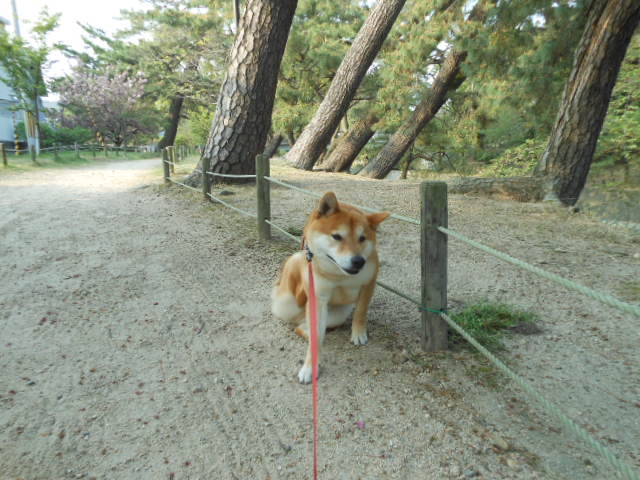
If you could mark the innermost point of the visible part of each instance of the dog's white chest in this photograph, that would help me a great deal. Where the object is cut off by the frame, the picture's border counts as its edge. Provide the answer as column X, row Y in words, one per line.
column 344, row 295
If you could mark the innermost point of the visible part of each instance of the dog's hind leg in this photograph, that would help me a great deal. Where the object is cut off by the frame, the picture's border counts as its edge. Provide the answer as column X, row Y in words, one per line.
column 336, row 317
column 285, row 307
column 302, row 331
column 338, row 314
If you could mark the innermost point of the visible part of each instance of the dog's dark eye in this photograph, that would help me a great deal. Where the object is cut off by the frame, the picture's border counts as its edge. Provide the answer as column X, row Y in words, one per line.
column 362, row 238
column 337, row 236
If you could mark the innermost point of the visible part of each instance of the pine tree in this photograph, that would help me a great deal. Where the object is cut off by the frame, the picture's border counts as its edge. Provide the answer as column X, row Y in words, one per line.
column 321, row 34
column 349, row 144
column 346, row 81
column 567, row 159
column 243, row 114
column 448, row 79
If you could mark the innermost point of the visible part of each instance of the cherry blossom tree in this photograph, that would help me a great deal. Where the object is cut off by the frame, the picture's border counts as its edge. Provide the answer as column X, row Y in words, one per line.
column 112, row 105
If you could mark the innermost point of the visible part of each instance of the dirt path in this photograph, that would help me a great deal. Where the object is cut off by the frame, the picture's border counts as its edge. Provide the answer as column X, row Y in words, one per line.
column 136, row 342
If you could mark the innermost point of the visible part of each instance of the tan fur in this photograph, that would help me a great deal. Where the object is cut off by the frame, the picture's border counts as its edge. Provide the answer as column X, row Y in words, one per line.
column 337, row 287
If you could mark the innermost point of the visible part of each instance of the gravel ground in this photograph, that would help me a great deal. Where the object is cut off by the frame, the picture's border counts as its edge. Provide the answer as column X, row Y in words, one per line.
column 137, row 343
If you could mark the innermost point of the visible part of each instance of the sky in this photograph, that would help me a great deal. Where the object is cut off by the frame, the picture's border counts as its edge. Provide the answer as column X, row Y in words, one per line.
column 97, row 13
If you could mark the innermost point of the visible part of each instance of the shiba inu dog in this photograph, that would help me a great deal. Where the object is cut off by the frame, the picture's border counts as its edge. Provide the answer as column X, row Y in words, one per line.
column 342, row 242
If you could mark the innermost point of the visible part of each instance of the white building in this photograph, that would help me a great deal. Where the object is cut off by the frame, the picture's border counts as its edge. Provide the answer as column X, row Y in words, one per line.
column 7, row 100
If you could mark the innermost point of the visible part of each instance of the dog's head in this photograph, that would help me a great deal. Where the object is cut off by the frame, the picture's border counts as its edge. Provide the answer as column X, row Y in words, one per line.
column 343, row 234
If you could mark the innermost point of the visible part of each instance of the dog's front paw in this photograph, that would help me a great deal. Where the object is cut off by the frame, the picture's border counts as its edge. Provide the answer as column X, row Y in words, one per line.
column 359, row 338
column 305, row 374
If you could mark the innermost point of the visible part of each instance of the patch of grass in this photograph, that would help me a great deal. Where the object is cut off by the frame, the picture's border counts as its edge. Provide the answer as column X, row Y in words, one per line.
column 487, row 323
column 22, row 163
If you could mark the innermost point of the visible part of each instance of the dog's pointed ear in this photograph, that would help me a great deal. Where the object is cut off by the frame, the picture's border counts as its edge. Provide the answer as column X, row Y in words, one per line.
column 376, row 219
column 328, row 204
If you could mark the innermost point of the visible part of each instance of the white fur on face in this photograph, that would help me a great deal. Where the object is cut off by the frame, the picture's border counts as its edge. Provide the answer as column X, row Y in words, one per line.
column 326, row 245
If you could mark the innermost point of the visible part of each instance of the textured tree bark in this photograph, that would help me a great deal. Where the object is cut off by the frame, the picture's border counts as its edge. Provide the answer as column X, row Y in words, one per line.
column 291, row 138
column 408, row 162
column 349, row 145
column 317, row 134
column 243, row 115
column 236, row 12
column 567, row 159
column 446, row 80
column 171, row 128
column 272, row 146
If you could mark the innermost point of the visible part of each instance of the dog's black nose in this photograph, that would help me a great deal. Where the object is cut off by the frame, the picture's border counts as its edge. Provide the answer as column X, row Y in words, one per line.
column 357, row 262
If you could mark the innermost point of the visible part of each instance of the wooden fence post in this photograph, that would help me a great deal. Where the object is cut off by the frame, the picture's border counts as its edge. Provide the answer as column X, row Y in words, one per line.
column 56, row 155
column 75, row 146
column 3, row 152
column 433, row 256
column 93, row 151
column 206, row 178
column 263, row 194
column 165, row 166
column 104, row 147
column 172, row 158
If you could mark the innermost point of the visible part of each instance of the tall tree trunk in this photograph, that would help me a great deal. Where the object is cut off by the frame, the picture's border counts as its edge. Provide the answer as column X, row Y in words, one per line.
column 236, row 12
column 408, row 162
column 171, row 128
column 354, row 66
column 243, row 116
column 272, row 146
column 567, row 159
column 291, row 139
column 447, row 79
column 349, row 145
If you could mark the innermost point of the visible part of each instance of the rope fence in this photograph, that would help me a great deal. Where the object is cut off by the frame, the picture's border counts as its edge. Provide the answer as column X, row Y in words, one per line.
column 228, row 205
column 601, row 297
column 402, row 218
column 433, row 302
column 184, row 185
column 228, row 175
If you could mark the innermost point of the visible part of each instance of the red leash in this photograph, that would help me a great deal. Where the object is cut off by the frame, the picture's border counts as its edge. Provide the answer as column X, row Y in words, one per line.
column 313, row 307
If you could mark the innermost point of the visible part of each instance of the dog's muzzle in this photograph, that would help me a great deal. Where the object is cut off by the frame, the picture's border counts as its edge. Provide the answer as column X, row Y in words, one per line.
column 357, row 262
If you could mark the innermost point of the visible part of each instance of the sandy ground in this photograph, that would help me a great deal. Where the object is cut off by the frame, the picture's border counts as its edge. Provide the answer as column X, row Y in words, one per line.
column 136, row 340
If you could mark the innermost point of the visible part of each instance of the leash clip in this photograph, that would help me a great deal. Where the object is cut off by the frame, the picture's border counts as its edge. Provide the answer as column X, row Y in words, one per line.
column 309, row 253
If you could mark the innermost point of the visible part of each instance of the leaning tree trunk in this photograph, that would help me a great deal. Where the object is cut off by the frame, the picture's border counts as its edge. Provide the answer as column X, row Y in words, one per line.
column 317, row 134
column 349, row 145
column 567, row 159
column 171, row 128
column 446, row 80
column 272, row 146
column 243, row 115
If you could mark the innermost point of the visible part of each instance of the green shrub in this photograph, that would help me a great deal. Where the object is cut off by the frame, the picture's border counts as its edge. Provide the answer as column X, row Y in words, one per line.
column 619, row 141
column 59, row 135
column 517, row 161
